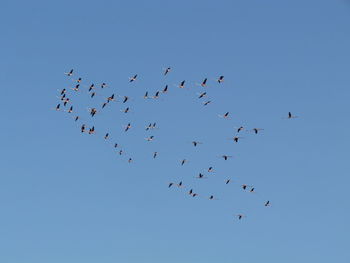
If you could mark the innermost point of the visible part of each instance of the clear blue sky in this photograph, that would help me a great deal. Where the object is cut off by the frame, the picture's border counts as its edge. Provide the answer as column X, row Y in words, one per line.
column 67, row 197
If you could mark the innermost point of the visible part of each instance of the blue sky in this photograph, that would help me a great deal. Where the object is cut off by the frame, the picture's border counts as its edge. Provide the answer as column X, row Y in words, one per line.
column 68, row 197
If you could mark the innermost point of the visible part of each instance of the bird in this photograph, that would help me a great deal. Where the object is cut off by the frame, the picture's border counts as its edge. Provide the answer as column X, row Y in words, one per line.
column 76, row 88
column 70, row 109
column 256, row 130
column 125, row 99
column 155, row 155
column 66, row 100
column 82, row 128
column 190, row 192
column 221, row 79
column 76, row 118
column 206, row 103
column 92, row 86
column 244, row 186
column 106, row 136
column 126, row 110
column 167, row 70
column 210, row 169
column 133, row 78
column 240, row 216
column 110, row 98
column 146, row 95
column 79, row 80
column 182, row 84
column 103, row 85
column 195, row 143
column 120, row 152
column 116, row 145
column 202, row 95
column 156, row 96
column 149, row 127
column 240, row 129
column 130, row 160
column 63, row 91
column 183, row 161
column 127, row 127
column 267, row 203
column 225, row 116
column 228, row 181
column 150, row 138
column 93, row 94
column 236, row 138
column 165, row 90
column 204, row 82
column 290, row 116
column 93, row 111
column 211, row 197
column 104, row 105
column 92, row 130
column 200, row 176
column 70, row 73
column 226, row 157
column 194, row 195
column 170, row 185
column 179, row 184
column 58, row 107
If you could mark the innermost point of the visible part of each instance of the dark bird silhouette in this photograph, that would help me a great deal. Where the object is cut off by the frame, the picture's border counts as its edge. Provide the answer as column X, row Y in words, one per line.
column 155, row 155
column 228, row 181
column 82, row 128
column 70, row 73
column 204, row 82
column 221, row 79
column 70, row 109
column 156, row 96
column 125, row 99
column 93, row 111
column 133, row 78
column 165, row 90
column 106, row 136
column 202, row 95
column 167, row 70
column 267, row 203
column 92, row 86
column 103, row 85
column 290, row 116
column 183, row 161
column 226, row 157
column 182, row 84
column 76, row 118
column 58, row 107
column 240, row 129
column 195, row 143
column 170, row 185
column 92, row 130
column 146, row 95
column 206, row 103
column 256, row 130
column 127, row 127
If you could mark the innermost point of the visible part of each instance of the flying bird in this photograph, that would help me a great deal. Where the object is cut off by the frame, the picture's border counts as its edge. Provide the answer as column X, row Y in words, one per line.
column 204, row 82
column 165, row 90
column 167, row 70
column 221, row 79
column 70, row 73
column 106, row 136
column 125, row 99
column 206, row 103
column 133, row 78
column 290, row 116
column 195, row 143
column 202, row 95
column 228, row 181
column 182, row 84
column 256, row 130
column 155, row 155
column 92, row 130
column 82, row 128
column 267, row 203
column 183, row 161
column 226, row 157
column 127, row 127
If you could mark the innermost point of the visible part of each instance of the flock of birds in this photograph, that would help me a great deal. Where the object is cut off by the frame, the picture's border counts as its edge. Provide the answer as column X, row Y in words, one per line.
column 65, row 105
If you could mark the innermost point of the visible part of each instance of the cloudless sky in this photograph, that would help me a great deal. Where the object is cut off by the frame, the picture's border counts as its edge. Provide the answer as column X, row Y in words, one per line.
column 69, row 197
